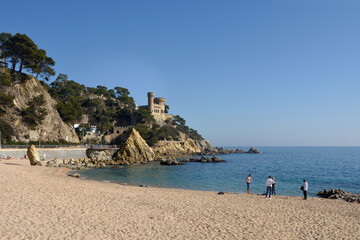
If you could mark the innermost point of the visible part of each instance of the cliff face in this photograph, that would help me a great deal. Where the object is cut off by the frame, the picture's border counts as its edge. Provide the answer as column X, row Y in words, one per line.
column 52, row 127
column 187, row 147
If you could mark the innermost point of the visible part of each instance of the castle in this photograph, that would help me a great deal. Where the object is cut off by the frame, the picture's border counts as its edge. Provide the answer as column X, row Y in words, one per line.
column 157, row 108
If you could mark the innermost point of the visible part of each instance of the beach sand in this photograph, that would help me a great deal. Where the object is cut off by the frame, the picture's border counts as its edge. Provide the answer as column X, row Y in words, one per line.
column 44, row 203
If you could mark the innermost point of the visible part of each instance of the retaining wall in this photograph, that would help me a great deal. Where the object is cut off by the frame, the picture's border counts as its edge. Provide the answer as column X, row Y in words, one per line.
column 49, row 153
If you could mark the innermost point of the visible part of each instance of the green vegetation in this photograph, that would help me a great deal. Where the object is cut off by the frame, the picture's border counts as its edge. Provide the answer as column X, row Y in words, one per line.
column 5, row 79
column 21, row 51
column 110, row 107
column 6, row 100
column 144, row 116
column 6, row 131
column 68, row 95
column 35, row 113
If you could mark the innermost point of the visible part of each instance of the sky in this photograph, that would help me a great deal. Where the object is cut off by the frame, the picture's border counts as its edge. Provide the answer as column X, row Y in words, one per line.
column 242, row 73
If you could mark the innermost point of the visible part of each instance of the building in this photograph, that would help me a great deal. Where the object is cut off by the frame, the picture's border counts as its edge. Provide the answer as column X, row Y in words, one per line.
column 157, row 108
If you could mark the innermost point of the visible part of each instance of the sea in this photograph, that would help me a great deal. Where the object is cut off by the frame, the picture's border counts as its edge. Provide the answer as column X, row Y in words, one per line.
column 322, row 167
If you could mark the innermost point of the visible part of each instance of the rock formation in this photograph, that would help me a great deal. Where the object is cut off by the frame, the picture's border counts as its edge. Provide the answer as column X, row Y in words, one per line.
column 174, row 148
column 33, row 156
column 52, row 128
column 340, row 194
column 134, row 150
column 253, row 150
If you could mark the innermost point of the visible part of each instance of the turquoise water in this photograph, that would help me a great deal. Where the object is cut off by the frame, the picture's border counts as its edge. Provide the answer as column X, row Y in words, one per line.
column 322, row 167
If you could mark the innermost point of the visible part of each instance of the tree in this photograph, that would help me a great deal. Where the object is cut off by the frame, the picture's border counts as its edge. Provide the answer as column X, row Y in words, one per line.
column 21, row 49
column 144, row 116
column 68, row 95
column 121, row 92
column 179, row 120
column 3, row 38
column 42, row 65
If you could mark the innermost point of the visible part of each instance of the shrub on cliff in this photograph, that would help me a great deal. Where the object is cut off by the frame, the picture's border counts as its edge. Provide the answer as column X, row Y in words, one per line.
column 6, row 100
column 35, row 113
column 6, row 131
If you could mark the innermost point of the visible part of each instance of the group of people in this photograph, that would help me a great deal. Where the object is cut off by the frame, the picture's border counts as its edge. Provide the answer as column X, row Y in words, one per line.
column 270, row 186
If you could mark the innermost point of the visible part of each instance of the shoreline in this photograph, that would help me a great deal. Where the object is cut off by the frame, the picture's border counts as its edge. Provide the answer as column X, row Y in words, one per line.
column 44, row 203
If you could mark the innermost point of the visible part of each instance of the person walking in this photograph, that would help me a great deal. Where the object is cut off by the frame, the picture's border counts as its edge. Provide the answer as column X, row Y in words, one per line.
column 304, row 188
column 269, row 182
column 273, row 187
column 248, row 182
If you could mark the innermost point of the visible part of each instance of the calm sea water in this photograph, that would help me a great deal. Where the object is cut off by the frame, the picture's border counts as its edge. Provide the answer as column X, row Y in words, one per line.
column 322, row 167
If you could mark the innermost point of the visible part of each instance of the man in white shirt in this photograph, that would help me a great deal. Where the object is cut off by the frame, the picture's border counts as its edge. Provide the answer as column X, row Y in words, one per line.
column 269, row 183
column 305, row 185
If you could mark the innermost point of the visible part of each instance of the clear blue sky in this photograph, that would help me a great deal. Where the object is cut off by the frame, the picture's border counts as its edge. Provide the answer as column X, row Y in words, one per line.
column 243, row 73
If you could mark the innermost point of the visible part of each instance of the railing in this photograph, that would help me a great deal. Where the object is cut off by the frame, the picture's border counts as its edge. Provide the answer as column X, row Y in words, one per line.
column 94, row 146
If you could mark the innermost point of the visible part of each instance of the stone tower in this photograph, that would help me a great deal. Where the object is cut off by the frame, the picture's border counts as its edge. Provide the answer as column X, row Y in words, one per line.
column 151, row 101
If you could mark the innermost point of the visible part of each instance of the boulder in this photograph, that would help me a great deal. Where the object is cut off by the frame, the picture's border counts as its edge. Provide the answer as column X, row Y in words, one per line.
column 33, row 156
column 134, row 150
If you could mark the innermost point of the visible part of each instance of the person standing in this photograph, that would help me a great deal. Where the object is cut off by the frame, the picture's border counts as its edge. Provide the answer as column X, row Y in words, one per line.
column 273, row 187
column 269, row 182
column 248, row 182
column 305, row 188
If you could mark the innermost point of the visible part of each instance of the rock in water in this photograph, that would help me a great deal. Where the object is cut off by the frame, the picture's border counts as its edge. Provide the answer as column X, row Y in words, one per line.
column 253, row 150
column 34, row 156
column 134, row 150
column 170, row 161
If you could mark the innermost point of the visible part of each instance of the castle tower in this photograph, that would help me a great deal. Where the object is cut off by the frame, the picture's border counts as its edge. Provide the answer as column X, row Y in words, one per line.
column 151, row 101
column 161, row 101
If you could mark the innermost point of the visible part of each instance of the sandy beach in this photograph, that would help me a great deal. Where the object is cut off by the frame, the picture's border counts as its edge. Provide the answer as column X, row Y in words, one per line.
column 44, row 203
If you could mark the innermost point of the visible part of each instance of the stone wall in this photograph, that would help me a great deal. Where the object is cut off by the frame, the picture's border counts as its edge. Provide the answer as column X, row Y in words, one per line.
column 46, row 154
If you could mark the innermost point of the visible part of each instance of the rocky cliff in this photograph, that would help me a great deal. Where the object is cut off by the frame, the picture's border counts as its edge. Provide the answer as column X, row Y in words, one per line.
column 23, row 91
column 174, row 148
column 193, row 147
